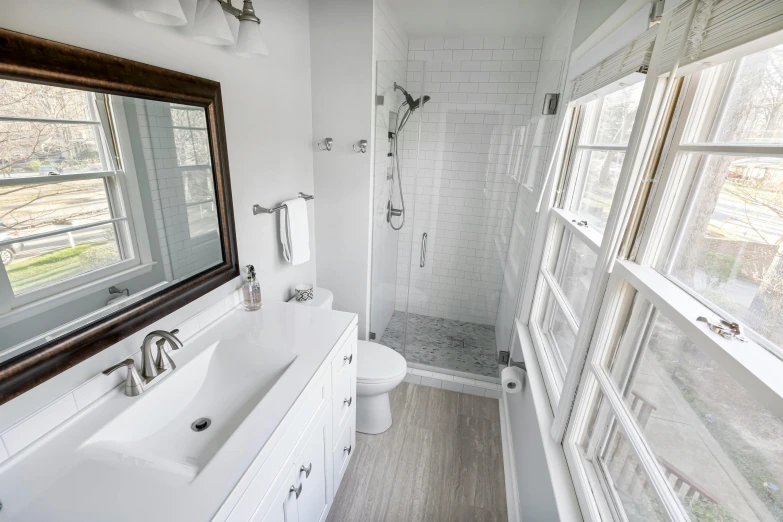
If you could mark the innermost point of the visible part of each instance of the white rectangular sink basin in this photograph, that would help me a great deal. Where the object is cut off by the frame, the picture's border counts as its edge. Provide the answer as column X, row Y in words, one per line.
column 222, row 383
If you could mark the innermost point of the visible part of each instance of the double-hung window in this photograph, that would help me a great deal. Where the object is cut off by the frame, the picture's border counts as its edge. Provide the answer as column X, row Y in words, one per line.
column 64, row 218
column 599, row 133
column 193, row 160
column 679, row 414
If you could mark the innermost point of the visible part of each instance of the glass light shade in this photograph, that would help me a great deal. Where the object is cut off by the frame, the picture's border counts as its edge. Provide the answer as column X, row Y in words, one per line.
column 250, row 42
column 161, row 12
column 211, row 25
column 233, row 24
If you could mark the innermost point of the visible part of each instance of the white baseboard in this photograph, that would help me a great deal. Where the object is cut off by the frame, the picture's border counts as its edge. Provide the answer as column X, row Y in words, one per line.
column 509, row 469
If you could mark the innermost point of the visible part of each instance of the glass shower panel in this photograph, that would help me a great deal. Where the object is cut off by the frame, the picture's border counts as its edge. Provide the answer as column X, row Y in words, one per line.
column 536, row 143
column 390, row 272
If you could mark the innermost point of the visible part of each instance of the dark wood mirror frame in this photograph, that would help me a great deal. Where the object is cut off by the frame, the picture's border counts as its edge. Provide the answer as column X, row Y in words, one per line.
column 31, row 59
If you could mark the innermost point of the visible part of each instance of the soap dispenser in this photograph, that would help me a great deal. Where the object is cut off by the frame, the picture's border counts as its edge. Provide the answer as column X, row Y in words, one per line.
column 251, row 290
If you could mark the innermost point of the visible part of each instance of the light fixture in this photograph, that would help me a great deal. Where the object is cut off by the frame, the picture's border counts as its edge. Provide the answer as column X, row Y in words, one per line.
column 161, row 12
column 211, row 25
column 249, row 42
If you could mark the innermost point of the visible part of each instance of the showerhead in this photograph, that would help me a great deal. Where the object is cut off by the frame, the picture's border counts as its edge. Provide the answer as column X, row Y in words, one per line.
column 412, row 104
column 418, row 103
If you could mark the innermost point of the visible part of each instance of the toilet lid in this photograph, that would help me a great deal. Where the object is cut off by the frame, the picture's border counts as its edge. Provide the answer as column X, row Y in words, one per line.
column 378, row 363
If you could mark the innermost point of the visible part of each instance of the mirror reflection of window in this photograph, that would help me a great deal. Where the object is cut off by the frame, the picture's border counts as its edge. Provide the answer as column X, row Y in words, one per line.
column 97, row 191
column 61, row 203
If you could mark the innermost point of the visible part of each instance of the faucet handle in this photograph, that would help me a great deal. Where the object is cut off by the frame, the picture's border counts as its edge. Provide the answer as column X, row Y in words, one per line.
column 164, row 360
column 134, row 385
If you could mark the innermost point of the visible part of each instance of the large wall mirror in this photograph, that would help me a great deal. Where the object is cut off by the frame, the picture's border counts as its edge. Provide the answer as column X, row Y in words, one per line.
column 114, row 202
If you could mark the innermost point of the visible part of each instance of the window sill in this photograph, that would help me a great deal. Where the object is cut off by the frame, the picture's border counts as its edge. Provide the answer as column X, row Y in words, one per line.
column 42, row 305
column 562, row 484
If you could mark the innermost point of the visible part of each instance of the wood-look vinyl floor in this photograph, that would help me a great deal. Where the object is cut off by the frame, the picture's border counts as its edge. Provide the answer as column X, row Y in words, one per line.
column 441, row 461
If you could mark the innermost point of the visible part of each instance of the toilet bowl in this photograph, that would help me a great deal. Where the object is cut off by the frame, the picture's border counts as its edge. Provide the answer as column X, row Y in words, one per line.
column 379, row 370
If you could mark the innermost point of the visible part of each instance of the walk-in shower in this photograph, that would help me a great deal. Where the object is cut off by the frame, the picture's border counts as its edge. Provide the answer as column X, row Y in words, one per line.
column 398, row 124
column 455, row 152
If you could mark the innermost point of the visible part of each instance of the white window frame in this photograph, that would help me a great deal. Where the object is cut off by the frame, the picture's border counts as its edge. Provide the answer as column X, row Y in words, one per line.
column 753, row 365
column 556, row 372
column 107, row 119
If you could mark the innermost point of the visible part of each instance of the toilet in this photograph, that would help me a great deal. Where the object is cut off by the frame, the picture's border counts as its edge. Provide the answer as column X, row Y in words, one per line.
column 379, row 370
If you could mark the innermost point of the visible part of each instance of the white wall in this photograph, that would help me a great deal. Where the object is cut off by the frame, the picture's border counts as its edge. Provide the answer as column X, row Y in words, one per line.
column 542, row 135
column 341, row 47
column 391, row 65
column 592, row 13
column 462, row 184
column 268, row 116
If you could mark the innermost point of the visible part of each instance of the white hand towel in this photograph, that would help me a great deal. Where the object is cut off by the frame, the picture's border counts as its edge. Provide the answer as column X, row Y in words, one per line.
column 295, row 231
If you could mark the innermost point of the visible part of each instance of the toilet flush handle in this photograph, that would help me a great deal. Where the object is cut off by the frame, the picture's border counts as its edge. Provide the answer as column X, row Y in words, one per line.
column 348, row 358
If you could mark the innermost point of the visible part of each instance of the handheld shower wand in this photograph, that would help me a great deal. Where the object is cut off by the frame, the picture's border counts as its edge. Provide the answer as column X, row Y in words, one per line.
column 412, row 104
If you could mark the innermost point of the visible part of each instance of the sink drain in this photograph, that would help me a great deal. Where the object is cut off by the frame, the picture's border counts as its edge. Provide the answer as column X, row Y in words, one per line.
column 201, row 424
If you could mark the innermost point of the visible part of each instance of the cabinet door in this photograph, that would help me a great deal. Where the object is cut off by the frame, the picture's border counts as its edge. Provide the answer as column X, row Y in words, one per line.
column 313, row 503
column 284, row 508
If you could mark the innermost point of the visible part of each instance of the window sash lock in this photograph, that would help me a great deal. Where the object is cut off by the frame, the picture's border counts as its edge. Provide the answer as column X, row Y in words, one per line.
column 724, row 328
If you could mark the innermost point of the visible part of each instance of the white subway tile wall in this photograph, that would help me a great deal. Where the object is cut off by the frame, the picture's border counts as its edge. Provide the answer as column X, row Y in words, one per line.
column 461, row 175
column 184, row 251
column 32, row 428
column 391, row 62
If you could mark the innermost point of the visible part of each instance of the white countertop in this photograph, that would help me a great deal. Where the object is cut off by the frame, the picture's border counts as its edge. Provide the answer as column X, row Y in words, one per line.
column 54, row 479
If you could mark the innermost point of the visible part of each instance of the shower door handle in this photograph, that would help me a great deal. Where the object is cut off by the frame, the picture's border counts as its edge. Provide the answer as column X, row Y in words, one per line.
column 423, row 260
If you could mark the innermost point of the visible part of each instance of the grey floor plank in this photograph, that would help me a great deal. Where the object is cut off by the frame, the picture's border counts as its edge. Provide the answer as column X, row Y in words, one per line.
column 408, row 493
column 462, row 513
column 440, row 461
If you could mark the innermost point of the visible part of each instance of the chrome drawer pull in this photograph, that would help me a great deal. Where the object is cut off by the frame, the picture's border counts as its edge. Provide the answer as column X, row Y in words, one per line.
column 348, row 401
column 348, row 449
column 296, row 490
column 306, row 470
column 348, row 358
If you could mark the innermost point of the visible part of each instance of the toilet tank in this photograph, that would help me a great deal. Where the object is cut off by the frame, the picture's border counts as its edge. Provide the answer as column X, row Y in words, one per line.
column 322, row 298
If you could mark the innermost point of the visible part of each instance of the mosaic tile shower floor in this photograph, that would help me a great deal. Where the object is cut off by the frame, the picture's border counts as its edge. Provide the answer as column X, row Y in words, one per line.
column 444, row 343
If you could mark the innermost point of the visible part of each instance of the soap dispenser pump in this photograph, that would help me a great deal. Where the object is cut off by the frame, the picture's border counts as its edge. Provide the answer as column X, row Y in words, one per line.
column 251, row 290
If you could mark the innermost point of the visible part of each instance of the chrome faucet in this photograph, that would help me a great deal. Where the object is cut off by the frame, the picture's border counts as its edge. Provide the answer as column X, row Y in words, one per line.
column 150, row 368
column 134, row 383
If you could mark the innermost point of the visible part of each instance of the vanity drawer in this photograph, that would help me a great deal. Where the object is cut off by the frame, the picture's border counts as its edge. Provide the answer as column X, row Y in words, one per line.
column 343, row 450
column 343, row 401
column 345, row 360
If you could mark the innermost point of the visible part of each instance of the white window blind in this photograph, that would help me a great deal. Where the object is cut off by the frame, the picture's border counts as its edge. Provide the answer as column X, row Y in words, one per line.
column 633, row 58
column 719, row 25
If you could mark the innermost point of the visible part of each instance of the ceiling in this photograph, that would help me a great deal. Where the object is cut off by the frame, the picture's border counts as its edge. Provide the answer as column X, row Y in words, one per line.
column 476, row 17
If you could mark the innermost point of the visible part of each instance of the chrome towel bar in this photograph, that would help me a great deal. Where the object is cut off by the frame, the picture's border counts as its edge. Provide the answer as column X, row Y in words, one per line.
column 258, row 209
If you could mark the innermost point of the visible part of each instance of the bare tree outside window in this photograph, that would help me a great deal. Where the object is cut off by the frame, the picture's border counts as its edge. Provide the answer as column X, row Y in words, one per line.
column 731, row 244
column 48, row 134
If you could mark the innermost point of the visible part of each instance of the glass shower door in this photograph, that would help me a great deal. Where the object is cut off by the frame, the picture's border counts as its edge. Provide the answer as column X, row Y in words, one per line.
column 462, row 194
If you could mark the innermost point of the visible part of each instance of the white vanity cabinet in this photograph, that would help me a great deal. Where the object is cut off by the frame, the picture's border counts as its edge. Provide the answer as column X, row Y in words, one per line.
column 300, row 477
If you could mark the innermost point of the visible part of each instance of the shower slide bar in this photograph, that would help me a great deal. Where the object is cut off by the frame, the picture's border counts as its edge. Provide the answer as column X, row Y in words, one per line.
column 258, row 209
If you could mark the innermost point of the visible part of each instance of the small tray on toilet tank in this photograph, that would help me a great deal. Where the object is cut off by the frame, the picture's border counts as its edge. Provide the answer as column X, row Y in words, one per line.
column 304, row 293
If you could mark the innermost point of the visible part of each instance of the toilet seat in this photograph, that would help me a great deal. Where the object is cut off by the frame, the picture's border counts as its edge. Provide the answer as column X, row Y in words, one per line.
column 379, row 364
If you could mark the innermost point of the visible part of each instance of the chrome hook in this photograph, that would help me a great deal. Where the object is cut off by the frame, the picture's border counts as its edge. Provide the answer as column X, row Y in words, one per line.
column 327, row 144
column 362, row 146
